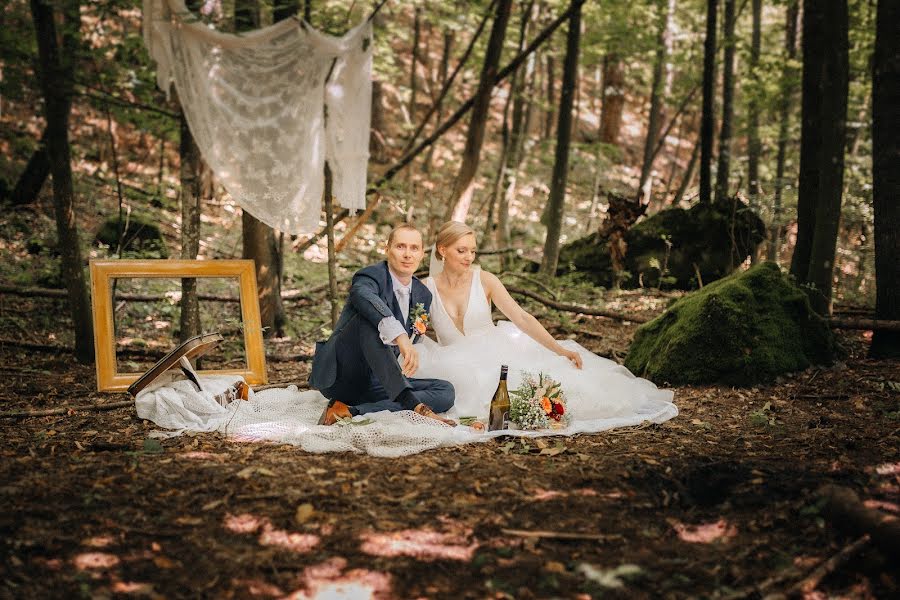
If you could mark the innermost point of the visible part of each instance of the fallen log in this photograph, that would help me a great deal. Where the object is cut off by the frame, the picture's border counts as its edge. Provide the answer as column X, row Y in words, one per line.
column 576, row 308
column 63, row 410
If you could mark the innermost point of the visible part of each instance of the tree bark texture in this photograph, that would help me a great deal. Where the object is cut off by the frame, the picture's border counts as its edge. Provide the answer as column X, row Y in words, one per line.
column 688, row 175
column 885, row 162
column 657, row 97
column 517, row 135
column 754, row 146
column 33, row 177
column 189, row 318
column 556, row 203
column 463, row 186
column 259, row 241
column 788, row 89
column 707, row 119
column 413, row 80
column 724, row 165
column 613, row 103
column 825, row 89
column 550, row 91
column 57, row 73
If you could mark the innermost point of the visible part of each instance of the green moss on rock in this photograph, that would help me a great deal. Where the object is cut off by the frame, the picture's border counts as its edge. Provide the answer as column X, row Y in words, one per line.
column 673, row 246
column 741, row 330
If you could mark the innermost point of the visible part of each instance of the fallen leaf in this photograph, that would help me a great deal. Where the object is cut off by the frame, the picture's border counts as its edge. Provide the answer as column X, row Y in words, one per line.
column 304, row 513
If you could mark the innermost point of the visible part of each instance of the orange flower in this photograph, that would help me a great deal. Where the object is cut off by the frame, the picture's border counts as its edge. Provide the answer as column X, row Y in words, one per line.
column 546, row 405
column 420, row 326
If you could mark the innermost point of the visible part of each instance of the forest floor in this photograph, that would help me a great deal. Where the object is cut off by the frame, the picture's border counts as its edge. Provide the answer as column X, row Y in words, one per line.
column 720, row 502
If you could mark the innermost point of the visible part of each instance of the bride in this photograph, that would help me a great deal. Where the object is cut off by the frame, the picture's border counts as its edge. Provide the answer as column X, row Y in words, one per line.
column 471, row 348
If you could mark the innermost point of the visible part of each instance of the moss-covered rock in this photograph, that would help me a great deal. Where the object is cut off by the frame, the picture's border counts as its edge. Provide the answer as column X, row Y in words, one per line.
column 741, row 330
column 671, row 247
column 142, row 239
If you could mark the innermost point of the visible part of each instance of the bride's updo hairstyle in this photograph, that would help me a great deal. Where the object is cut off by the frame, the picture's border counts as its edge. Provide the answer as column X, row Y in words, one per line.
column 449, row 233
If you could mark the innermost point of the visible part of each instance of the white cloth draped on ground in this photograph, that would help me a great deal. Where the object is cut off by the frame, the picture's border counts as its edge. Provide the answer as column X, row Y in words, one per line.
column 256, row 105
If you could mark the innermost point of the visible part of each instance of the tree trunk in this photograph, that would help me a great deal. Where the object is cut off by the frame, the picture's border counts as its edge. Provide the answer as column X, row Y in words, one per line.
column 33, row 177
column 825, row 76
column 613, row 103
column 259, row 241
column 724, row 167
column 443, row 72
column 707, row 121
column 189, row 319
column 413, row 80
column 285, row 9
column 517, row 135
column 885, row 159
column 688, row 175
column 550, row 90
column 657, row 97
column 754, row 146
column 784, row 123
column 463, row 186
column 57, row 73
column 556, row 203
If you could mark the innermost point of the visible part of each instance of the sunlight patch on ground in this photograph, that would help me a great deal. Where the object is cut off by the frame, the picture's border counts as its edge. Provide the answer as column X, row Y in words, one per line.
column 327, row 581
column 418, row 543
column 888, row 469
column 98, row 541
column 704, row 533
column 201, row 455
column 882, row 505
column 270, row 536
column 257, row 588
column 132, row 587
column 95, row 560
column 541, row 494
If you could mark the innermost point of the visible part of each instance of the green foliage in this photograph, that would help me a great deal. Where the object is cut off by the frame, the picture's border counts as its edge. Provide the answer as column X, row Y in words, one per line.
column 138, row 237
column 744, row 329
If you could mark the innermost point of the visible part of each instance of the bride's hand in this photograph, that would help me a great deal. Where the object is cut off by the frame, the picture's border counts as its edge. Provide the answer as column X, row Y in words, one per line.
column 573, row 356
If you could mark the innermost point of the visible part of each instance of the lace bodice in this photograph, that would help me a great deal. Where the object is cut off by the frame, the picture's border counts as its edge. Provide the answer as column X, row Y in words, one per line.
column 476, row 320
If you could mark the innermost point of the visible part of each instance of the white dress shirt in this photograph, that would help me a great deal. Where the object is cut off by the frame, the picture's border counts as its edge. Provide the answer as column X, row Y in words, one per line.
column 389, row 328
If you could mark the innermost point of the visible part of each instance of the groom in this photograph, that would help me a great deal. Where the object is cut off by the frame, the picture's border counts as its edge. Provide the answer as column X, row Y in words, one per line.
column 357, row 369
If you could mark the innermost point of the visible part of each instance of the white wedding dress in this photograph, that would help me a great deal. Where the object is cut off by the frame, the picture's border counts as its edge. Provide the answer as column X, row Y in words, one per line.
column 601, row 396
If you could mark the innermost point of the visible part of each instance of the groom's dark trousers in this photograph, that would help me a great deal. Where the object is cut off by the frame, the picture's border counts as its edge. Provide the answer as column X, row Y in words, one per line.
column 357, row 368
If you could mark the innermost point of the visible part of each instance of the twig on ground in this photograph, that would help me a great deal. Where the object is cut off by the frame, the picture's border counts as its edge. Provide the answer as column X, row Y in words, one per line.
column 532, row 281
column 557, row 535
column 811, row 581
column 18, row 414
column 575, row 308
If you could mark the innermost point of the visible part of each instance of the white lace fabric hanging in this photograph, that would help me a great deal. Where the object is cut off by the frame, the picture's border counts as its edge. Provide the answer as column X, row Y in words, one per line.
column 255, row 104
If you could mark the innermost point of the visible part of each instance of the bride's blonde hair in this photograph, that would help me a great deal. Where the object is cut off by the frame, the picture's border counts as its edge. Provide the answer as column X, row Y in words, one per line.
column 449, row 233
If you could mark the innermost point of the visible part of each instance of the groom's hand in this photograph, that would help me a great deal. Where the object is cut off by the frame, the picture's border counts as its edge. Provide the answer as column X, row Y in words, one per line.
column 410, row 363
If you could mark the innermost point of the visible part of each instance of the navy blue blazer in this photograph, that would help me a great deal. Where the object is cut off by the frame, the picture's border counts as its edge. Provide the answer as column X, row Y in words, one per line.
column 371, row 298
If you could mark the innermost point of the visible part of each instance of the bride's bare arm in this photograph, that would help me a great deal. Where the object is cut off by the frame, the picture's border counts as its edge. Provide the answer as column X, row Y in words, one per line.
column 521, row 318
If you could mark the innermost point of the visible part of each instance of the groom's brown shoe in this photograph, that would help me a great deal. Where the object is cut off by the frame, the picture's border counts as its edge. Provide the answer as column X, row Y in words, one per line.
column 425, row 411
column 334, row 411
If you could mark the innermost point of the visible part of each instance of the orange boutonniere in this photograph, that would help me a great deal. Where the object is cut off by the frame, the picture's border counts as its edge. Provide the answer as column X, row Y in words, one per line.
column 420, row 319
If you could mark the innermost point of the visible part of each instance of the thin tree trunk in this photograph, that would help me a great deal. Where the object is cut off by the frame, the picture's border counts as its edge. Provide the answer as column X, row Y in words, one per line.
column 463, row 186
column 557, row 198
column 550, row 90
column 688, row 175
column 522, row 78
column 885, row 159
column 259, row 242
column 413, row 80
column 613, row 104
column 443, row 72
column 825, row 42
column 788, row 89
column 657, row 97
column 724, row 166
column 754, row 146
column 33, row 177
column 57, row 72
column 332, row 259
column 189, row 319
column 707, row 122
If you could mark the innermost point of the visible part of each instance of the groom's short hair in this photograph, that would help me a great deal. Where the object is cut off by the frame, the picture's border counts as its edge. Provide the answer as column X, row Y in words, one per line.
column 407, row 226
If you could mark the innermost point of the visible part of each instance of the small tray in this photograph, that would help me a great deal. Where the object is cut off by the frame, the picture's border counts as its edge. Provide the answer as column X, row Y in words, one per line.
column 190, row 348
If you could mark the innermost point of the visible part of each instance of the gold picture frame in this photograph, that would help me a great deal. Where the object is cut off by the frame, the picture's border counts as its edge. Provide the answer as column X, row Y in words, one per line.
column 103, row 271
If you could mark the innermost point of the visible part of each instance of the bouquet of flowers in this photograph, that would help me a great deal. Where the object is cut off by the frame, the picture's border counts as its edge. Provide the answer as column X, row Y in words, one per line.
column 538, row 403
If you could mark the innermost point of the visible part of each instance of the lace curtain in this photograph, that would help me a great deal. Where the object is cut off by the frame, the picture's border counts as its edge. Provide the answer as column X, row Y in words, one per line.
column 256, row 105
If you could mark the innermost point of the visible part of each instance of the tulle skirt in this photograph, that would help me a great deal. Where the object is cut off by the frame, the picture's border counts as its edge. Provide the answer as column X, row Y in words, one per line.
column 601, row 396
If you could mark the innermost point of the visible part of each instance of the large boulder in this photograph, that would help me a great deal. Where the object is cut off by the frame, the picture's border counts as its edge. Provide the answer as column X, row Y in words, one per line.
column 672, row 247
column 744, row 329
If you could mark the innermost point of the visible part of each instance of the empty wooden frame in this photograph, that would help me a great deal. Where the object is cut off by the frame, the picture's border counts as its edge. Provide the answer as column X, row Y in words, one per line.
column 103, row 271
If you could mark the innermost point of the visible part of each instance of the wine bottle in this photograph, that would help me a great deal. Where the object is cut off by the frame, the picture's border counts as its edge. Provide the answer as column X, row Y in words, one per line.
column 499, row 417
